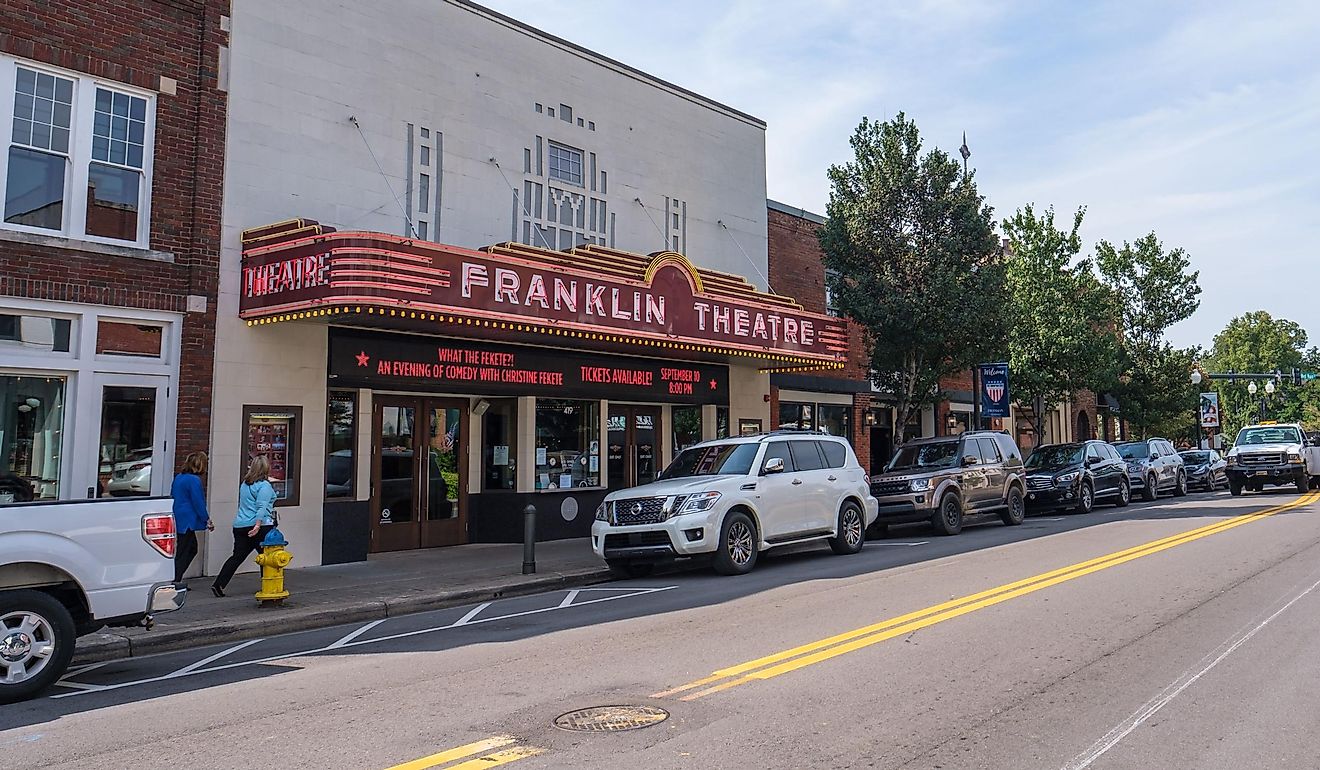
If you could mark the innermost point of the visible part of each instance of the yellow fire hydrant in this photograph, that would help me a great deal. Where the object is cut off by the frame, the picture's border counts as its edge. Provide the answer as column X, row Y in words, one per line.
column 272, row 560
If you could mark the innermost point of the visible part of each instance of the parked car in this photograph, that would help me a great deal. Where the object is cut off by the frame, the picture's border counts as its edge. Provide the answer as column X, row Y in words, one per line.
column 946, row 479
column 1271, row 453
column 132, row 475
column 1076, row 476
column 1154, row 466
column 1206, row 469
column 731, row 499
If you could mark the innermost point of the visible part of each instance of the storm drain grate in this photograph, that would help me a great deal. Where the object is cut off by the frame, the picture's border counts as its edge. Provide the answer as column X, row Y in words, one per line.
column 611, row 719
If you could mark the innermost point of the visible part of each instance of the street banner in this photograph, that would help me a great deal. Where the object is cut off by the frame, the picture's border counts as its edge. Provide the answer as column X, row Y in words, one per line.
column 1209, row 410
column 995, row 398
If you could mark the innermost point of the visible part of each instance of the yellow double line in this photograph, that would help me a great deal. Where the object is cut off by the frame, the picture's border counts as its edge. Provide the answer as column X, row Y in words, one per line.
column 504, row 756
column 808, row 654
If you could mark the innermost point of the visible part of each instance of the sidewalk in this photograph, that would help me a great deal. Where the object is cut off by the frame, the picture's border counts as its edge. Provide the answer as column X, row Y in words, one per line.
column 387, row 585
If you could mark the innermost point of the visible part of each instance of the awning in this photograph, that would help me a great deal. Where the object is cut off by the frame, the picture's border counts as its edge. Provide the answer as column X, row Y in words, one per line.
column 601, row 298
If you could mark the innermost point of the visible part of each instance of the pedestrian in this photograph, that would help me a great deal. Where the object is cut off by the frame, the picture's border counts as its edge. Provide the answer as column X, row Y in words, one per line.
column 190, row 514
column 255, row 517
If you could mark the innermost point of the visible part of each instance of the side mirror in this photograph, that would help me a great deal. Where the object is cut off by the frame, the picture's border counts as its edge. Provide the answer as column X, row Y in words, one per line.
column 773, row 465
column 970, row 460
column 1093, row 461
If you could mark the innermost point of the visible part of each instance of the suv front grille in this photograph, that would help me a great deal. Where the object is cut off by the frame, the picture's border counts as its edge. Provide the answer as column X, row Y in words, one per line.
column 1039, row 482
column 879, row 488
column 1261, row 459
column 644, row 510
column 635, row 539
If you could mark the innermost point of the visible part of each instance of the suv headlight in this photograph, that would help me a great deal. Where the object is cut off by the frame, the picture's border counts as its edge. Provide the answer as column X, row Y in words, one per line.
column 1293, row 457
column 1067, row 478
column 919, row 485
column 700, row 502
column 1232, row 459
column 602, row 512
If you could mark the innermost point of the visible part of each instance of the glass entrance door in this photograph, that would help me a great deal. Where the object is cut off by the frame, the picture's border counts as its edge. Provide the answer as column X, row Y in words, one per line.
column 417, row 495
column 634, row 445
column 133, row 458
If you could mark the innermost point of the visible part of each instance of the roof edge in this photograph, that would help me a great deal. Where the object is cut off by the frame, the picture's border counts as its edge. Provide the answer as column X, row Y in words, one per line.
column 795, row 211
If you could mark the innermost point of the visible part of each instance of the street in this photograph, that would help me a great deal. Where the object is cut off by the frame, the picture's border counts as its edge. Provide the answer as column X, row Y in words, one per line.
column 1178, row 633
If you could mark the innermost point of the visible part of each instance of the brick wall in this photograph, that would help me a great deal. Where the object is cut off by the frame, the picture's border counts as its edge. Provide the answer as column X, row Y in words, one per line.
column 138, row 43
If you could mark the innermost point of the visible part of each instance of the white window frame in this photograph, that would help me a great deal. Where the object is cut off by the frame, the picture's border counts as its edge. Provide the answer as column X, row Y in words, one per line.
column 582, row 157
column 74, row 225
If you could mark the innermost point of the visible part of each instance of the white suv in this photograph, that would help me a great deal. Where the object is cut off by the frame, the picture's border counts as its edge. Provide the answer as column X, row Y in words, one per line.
column 733, row 498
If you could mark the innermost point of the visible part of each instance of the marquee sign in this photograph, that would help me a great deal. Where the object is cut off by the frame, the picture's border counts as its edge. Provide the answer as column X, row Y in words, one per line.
column 408, row 362
column 289, row 270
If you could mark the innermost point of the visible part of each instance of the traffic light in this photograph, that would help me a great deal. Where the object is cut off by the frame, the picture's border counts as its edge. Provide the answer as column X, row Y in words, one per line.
column 1297, row 376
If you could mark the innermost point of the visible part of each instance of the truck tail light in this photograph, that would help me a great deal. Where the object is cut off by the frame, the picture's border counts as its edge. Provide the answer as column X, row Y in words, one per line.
column 158, row 531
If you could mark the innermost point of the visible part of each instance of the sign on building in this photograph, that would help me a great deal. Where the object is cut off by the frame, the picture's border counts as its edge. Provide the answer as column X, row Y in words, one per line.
column 995, row 396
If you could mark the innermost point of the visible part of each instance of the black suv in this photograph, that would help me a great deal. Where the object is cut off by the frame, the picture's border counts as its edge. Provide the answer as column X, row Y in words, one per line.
column 944, row 479
column 1154, row 466
column 1076, row 476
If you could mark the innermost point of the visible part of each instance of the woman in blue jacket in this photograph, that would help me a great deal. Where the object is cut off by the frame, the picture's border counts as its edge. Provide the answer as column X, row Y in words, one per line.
column 190, row 515
column 255, row 517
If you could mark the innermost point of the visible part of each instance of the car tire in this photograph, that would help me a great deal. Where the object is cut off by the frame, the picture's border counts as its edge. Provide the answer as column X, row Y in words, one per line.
column 1303, row 484
column 1085, row 499
column 624, row 569
column 739, row 545
column 1149, row 492
column 1124, row 494
column 32, row 621
column 948, row 519
column 1234, row 488
column 1180, row 486
column 1016, row 510
column 851, row 530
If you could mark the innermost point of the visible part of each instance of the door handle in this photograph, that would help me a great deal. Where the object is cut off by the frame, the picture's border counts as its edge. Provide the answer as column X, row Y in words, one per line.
column 797, row 482
column 833, row 478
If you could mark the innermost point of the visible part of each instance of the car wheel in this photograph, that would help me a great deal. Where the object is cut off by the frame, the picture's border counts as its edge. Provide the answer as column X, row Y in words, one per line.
column 1085, row 499
column 1180, row 488
column 36, row 643
column 851, row 531
column 1016, row 510
column 1149, row 493
column 623, row 568
column 738, row 546
column 948, row 520
column 1124, row 494
column 1234, row 488
column 1303, row 484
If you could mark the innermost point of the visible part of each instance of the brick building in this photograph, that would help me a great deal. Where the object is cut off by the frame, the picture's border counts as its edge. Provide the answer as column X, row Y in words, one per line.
column 113, row 121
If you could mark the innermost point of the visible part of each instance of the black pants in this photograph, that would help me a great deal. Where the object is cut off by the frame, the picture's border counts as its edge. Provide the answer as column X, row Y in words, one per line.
column 244, row 545
column 184, row 553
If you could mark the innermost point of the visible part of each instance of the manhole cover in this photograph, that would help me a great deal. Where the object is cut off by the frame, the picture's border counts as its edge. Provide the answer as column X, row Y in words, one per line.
column 611, row 719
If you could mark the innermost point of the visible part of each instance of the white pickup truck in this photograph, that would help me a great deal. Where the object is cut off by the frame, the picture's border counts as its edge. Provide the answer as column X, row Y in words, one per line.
column 1277, row 454
column 71, row 568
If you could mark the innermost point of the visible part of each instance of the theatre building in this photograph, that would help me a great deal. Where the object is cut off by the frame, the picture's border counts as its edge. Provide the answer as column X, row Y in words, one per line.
column 488, row 270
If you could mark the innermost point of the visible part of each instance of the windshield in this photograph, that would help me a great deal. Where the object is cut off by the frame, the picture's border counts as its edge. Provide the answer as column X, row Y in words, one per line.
column 1270, row 435
column 1138, row 451
column 715, row 460
column 1057, row 456
column 941, row 454
column 1195, row 457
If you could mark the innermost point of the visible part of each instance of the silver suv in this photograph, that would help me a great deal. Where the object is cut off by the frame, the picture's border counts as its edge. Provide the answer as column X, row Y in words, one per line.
column 732, row 498
column 943, row 480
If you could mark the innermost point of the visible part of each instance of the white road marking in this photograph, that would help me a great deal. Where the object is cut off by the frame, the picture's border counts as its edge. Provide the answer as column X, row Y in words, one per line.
column 919, row 542
column 79, row 685
column 1152, row 707
column 194, row 669
column 472, row 613
column 76, row 670
column 351, row 635
column 191, row 667
column 568, row 599
column 1051, row 518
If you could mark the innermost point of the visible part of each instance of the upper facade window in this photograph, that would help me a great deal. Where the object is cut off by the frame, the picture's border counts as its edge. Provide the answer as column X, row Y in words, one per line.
column 78, row 155
column 566, row 164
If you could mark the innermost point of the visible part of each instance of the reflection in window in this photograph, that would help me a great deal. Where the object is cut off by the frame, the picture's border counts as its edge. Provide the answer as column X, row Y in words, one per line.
column 112, row 201
column 686, row 426
column 721, row 422
column 444, row 448
column 128, row 428
column 498, row 451
column 31, row 433
column 835, row 420
column 567, row 444
column 793, row 415
column 340, row 441
column 36, row 333
column 116, row 338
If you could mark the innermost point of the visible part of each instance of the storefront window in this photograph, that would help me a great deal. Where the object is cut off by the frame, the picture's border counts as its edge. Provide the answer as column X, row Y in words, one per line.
column 836, row 420
column 128, row 430
column 117, row 338
column 32, row 333
column 721, row 422
column 499, row 452
column 31, row 434
column 793, row 415
column 567, row 443
column 273, row 432
column 686, row 426
column 340, row 442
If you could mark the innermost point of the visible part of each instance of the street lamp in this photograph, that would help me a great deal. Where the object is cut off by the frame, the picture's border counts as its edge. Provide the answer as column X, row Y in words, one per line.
column 1196, row 377
column 1269, row 387
column 1251, row 387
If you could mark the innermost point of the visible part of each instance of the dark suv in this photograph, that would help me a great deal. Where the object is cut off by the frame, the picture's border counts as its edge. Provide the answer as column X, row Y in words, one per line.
column 1154, row 466
column 943, row 480
column 1076, row 476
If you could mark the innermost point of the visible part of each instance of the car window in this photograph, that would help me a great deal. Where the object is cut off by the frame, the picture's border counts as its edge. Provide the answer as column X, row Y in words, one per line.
column 938, row 454
column 1110, row 452
column 778, row 449
column 969, row 451
column 836, row 454
column 716, row 460
column 1055, row 456
column 989, row 453
column 1138, row 451
column 806, row 455
column 1092, row 452
column 1008, row 449
column 1268, row 435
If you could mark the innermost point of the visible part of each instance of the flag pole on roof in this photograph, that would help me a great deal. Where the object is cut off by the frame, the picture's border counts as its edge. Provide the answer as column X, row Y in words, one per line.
column 965, row 153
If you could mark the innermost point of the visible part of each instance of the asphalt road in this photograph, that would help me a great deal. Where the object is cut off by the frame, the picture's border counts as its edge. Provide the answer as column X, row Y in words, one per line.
column 1179, row 634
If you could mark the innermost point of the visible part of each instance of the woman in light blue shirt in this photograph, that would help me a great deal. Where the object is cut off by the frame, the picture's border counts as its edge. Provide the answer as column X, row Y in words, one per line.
column 255, row 517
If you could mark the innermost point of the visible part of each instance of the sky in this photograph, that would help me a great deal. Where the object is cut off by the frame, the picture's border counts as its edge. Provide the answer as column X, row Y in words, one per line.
column 1199, row 121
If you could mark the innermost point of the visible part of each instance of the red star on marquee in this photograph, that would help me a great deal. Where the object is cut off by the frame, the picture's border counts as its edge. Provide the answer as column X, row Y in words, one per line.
column 714, row 385
column 362, row 358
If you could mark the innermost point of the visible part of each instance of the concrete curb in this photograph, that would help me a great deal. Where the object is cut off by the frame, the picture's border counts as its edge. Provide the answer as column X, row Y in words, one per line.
column 98, row 648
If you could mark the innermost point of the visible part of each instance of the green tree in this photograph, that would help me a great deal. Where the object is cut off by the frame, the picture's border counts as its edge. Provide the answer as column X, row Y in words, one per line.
column 1061, row 338
column 1154, row 290
column 914, row 259
column 1259, row 342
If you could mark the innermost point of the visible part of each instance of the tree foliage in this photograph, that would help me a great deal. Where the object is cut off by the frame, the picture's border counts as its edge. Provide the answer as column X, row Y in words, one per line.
column 914, row 259
column 1062, row 332
column 1259, row 342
